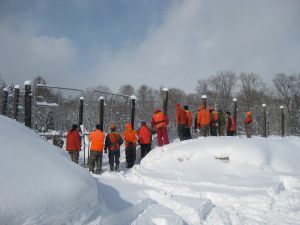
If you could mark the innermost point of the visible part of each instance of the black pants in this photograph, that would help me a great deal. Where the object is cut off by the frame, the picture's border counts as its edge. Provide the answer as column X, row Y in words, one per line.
column 188, row 133
column 181, row 131
column 145, row 149
column 114, row 158
column 130, row 152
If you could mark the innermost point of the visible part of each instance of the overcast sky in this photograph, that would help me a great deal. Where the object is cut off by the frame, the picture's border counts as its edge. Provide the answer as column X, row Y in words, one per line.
column 170, row 43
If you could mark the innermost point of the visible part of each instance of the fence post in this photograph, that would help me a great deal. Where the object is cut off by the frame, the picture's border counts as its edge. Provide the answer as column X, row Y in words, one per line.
column 282, row 121
column 165, row 100
column 101, row 112
column 16, row 102
column 27, row 104
column 204, row 100
column 133, row 99
column 235, row 113
column 81, row 112
column 264, row 133
column 5, row 101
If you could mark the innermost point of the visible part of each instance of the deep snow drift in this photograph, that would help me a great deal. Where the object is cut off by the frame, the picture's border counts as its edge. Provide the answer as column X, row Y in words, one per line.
column 256, row 182
column 39, row 184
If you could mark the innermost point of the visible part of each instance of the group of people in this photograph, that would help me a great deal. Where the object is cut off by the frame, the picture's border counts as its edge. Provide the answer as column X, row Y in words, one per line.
column 110, row 143
column 206, row 122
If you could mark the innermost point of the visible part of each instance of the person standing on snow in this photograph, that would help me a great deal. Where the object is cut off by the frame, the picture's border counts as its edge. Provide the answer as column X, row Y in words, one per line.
column 221, row 123
column 130, row 138
column 248, row 124
column 202, row 121
column 113, row 141
column 145, row 139
column 213, row 127
column 230, row 124
column 189, row 118
column 160, row 122
column 97, row 144
column 73, row 144
column 181, row 122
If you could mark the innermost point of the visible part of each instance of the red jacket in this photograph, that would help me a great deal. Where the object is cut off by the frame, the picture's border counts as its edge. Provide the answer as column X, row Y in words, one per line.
column 180, row 115
column 203, row 117
column 189, row 118
column 73, row 141
column 248, row 120
column 144, row 135
column 97, row 140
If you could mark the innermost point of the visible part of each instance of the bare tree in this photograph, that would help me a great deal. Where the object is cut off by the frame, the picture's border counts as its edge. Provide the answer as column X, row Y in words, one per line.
column 222, row 86
column 126, row 90
column 288, row 88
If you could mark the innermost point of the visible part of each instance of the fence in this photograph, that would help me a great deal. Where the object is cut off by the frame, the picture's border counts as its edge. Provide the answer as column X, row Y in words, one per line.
column 55, row 109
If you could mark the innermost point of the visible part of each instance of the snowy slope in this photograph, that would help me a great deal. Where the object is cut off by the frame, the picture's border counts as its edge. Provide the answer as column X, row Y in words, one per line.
column 39, row 184
column 178, row 184
column 184, row 183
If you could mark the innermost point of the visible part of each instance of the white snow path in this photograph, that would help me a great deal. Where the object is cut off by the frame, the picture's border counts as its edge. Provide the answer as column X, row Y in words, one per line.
column 204, row 202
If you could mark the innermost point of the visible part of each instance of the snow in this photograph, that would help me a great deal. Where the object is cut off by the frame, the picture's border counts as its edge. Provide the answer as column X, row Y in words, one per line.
column 214, row 180
column 27, row 82
column 165, row 89
column 133, row 97
column 17, row 86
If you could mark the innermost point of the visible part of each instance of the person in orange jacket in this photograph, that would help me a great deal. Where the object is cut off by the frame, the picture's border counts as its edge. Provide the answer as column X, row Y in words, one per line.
column 73, row 144
column 181, row 122
column 160, row 121
column 202, row 120
column 113, row 141
column 248, row 124
column 97, row 144
column 130, row 139
column 213, row 127
column 145, row 139
column 189, row 118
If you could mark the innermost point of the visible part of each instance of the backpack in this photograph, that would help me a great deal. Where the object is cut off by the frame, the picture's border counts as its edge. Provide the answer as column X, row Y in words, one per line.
column 114, row 141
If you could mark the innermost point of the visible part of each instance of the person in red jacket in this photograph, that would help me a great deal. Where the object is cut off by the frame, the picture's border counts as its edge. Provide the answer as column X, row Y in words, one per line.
column 248, row 124
column 97, row 144
column 230, row 125
column 189, row 118
column 73, row 144
column 160, row 121
column 181, row 122
column 145, row 138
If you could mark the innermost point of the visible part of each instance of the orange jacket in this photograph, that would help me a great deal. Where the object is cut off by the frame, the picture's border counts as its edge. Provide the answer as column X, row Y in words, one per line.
column 159, row 119
column 129, row 135
column 144, row 135
column 203, row 117
column 73, row 141
column 97, row 140
column 189, row 118
column 180, row 115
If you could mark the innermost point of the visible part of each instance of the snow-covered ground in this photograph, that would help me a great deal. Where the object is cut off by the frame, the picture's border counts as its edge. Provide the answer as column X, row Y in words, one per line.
column 221, row 180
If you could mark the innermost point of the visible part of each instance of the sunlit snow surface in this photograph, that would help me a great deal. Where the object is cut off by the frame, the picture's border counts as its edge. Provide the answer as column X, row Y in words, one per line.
column 216, row 180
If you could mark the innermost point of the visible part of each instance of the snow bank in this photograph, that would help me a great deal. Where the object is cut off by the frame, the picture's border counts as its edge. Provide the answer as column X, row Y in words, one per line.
column 39, row 183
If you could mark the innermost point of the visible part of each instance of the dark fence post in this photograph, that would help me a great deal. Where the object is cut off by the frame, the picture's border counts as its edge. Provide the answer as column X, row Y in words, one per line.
column 204, row 100
column 27, row 104
column 264, row 133
column 133, row 99
column 101, row 112
column 16, row 102
column 5, row 101
column 282, row 121
column 165, row 100
column 81, row 112
column 235, row 113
